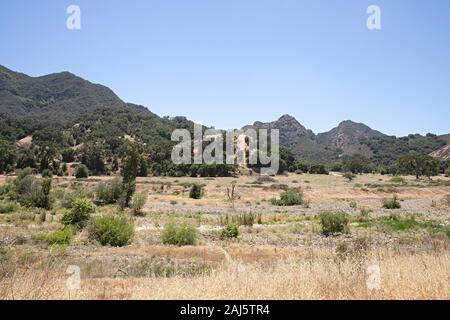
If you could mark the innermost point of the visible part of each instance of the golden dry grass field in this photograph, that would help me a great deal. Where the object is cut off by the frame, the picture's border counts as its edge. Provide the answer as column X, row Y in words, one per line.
column 282, row 253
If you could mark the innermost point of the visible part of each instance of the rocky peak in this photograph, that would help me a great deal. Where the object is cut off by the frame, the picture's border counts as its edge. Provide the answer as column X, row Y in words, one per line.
column 290, row 129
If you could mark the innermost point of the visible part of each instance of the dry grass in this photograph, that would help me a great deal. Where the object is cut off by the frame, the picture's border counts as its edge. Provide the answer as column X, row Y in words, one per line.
column 282, row 257
column 403, row 276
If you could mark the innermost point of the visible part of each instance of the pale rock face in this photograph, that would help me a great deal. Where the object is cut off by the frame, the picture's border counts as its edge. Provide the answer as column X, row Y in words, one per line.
column 442, row 154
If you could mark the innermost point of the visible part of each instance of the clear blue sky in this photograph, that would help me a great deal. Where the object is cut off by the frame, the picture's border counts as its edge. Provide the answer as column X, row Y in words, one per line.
column 228, row 63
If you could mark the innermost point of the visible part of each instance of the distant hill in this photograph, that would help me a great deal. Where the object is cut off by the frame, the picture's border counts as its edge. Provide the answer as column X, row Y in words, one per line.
column 299, row 140
column 65, row 118
column 63, row 101
column 347, row 136
column 60, row 96
column 351, row 138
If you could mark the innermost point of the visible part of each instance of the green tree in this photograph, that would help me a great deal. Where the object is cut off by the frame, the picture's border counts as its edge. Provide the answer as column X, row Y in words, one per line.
column 7, row 156
column 419, row 165
column 130, row 165
column 26, row 159
column 42, row 196
column 356, row 164
column 93, row 158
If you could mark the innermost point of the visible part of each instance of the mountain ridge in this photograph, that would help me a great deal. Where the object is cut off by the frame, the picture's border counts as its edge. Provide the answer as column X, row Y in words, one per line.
column 45, row 106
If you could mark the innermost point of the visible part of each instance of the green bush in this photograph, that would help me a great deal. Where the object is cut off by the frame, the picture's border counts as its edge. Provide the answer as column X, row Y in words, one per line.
column 8, row 207
column 332, row 223
column 138, row 202
column 111, row 230
column 291, row 197
column 353, row 205
column 31, row 192
column 79, row 214
column 180, row 234
column 349, row 176
column 109, row 192
column 62, row 237
column 392, row 203
column 81, row 172
column 447, row 172
column 196, row 192
column 229, row 232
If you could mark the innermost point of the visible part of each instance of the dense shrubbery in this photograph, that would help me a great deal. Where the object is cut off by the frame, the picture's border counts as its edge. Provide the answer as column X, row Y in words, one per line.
column 180, row 234
column 111, row 230
column 79, row 214
column 387, row 149
column 332, row 223
column 291, row 197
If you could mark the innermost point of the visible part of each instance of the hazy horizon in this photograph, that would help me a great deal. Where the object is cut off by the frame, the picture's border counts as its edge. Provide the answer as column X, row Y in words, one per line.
column 229, row 63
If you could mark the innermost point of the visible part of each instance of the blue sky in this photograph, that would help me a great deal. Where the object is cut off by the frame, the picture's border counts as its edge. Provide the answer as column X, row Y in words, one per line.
column 228, row 63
